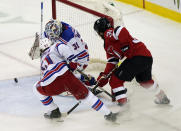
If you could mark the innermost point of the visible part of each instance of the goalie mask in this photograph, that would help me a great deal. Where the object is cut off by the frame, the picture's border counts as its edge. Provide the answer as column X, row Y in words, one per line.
column 101, row 25
column 53, row 29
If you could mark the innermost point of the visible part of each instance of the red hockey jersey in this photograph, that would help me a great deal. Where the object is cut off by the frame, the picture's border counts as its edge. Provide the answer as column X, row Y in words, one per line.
column 118, row 43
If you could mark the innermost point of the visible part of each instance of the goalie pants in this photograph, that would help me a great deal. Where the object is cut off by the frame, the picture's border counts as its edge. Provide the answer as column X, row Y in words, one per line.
column 66, row 82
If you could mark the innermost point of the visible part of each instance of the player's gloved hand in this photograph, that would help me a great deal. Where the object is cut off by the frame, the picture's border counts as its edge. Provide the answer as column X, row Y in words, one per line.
column 90, row 82
column 102, row 80
column 72, row 66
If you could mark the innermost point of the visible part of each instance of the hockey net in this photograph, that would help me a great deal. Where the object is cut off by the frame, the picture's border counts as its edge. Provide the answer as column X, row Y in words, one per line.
column 82, row 15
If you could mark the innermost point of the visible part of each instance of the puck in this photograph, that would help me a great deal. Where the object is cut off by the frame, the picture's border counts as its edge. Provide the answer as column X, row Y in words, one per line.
column 15, row 80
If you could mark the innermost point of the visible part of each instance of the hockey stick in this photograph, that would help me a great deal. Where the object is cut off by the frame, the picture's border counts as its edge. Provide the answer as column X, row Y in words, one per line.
column 95, row 92
column 103, row 90
column 107, row 76
column 65, row 114
column 112, row 96
column 41, row 28
column 97, row 85
column 69, row 111
column 84, row 75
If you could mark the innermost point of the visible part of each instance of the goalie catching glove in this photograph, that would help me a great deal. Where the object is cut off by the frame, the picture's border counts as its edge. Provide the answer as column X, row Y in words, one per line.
column 39, row 46
column 34, row 52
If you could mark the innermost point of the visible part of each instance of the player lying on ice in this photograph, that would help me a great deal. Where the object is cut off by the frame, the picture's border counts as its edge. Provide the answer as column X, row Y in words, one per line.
column 118, row 43
column 62, row 52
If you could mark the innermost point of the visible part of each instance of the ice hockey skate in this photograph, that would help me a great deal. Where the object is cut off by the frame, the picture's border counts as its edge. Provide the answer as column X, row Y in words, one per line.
column 162, row 98
column 112, row 117
column 53, row 114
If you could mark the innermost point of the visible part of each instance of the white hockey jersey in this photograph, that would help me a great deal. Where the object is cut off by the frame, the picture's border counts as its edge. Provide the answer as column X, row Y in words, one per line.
column 70, row 47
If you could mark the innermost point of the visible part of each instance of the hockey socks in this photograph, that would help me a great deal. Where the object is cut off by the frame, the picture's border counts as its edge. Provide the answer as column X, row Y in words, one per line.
column 47, row 101
column 160, row 96
column 95, row 103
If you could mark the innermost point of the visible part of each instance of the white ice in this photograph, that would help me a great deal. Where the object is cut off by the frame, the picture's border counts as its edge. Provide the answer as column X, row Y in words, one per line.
column 20, row 110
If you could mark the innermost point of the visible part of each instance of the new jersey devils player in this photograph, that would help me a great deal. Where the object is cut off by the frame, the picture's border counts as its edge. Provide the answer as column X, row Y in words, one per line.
column 118, row 43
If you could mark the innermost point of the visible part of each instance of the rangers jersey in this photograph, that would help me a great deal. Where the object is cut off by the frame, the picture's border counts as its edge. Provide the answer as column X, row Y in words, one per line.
column 69, row 48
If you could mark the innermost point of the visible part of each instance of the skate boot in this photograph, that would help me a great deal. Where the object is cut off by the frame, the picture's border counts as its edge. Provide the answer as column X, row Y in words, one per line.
column 53, row 114
column 112, row 117
column 161, row 98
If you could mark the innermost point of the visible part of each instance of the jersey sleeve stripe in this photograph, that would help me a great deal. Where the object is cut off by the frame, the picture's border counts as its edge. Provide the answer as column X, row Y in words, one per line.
column 79, row 56
column 113, row 60
column 83, row 55
column 117, row 31
column 54, row 67
column 71, row 57
column 58, row 67
column 48, row 60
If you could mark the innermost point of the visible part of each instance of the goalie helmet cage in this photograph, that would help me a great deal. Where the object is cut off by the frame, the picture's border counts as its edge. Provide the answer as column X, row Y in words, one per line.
column 82, row 18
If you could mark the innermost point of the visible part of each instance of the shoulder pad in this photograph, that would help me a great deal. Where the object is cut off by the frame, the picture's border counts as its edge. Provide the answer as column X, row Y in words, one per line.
column 68, row 34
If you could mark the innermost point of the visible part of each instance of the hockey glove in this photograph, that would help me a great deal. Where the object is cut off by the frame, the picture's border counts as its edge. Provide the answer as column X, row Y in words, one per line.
column 102, row 80
column 72, row 66
column 34, row 52
column 89, row 82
